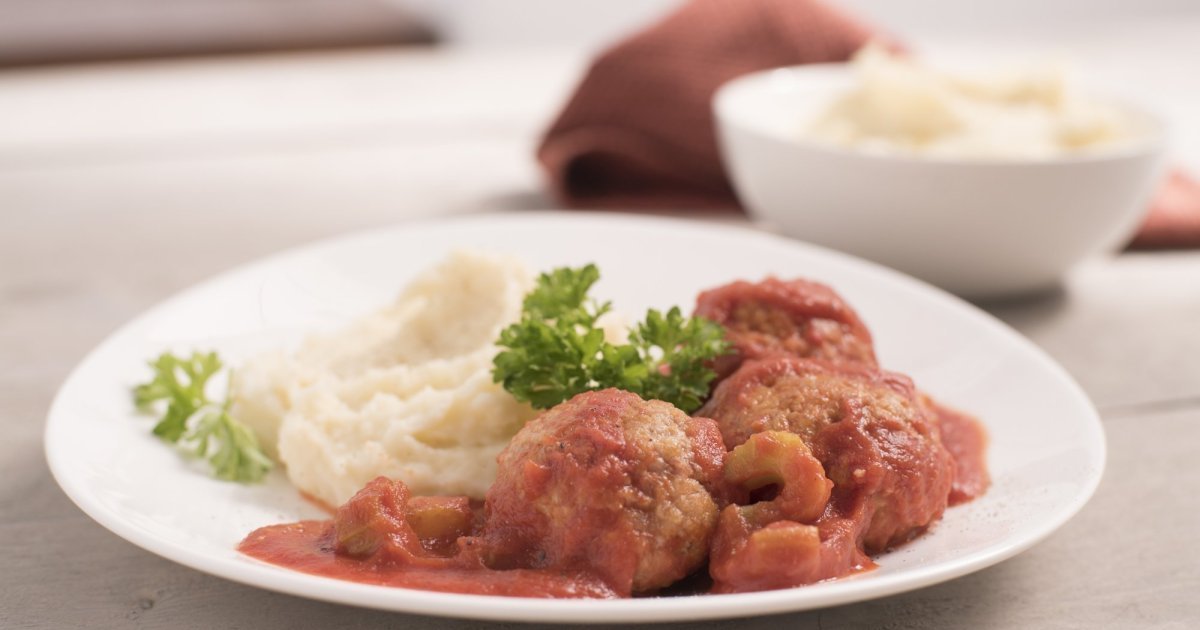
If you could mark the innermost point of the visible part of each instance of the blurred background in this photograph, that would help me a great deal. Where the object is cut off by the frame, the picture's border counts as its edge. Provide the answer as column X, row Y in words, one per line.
column 54, row 95
column 374, row 111
column 44, row 31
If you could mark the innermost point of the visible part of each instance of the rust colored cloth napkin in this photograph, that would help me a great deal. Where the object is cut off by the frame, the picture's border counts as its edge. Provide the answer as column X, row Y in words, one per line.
column 1174, row 217
column 638, row 131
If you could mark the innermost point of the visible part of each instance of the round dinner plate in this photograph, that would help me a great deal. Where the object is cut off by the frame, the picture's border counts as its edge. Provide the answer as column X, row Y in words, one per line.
column 1046, row 452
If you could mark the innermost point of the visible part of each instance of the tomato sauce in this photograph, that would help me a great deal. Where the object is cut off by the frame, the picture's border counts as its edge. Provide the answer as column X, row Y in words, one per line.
column 312, row 546
column 966, row 439
column 308, row 547
column 388, row 538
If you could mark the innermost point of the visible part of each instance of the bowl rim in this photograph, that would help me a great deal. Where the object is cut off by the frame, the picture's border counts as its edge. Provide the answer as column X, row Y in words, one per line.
column 1153, row 142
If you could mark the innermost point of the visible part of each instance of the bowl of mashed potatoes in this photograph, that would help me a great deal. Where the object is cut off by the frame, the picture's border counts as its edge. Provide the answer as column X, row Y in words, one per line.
column 985, row 183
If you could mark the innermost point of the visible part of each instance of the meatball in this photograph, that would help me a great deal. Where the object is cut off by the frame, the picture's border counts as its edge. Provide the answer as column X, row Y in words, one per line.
column 609, row 484
column 878, row 443
column 797, row 317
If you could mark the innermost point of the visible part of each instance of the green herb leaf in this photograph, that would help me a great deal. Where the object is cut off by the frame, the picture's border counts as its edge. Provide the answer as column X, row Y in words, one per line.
column 683, row 347
column 556, row 350
column 196, row 424
column 561, row 295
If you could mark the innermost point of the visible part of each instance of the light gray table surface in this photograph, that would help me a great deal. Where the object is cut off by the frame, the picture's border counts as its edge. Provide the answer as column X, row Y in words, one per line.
column 112, row 199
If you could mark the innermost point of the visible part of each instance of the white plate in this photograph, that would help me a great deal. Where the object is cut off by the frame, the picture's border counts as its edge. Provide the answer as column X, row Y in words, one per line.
column 1046, row 455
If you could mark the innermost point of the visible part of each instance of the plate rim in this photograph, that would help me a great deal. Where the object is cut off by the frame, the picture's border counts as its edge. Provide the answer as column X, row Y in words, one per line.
column 251, row 572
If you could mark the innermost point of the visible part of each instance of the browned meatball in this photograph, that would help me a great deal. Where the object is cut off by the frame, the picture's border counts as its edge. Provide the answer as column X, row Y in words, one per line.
column 610, row 484
column 879, row 445
column 797, row 317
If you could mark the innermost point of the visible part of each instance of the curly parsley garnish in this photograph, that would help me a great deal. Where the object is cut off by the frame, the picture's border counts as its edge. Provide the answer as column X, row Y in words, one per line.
column 194, row 423
column 557, row 351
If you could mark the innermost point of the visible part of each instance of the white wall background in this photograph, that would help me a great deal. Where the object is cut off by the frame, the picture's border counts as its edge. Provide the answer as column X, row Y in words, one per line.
column 591, row 23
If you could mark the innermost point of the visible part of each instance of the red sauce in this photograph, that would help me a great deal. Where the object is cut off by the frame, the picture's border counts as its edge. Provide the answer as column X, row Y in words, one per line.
column 442, row 553
column 806, row 532
column 966, row 439
column 309, row 547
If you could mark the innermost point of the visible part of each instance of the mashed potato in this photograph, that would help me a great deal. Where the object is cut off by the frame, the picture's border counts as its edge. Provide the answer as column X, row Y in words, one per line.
column 405, row 392
column 898, row 106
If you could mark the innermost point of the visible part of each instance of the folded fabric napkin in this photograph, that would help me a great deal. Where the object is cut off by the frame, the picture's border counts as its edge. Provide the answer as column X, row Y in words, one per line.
column 638, row 131
column 1174, row 217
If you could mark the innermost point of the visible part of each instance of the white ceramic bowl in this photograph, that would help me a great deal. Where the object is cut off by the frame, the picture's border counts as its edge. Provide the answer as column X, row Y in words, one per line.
column 977, row 228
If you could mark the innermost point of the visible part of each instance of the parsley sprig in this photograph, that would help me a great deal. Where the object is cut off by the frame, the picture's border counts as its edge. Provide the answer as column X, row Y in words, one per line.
column 196, row 424
column 557, row 350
